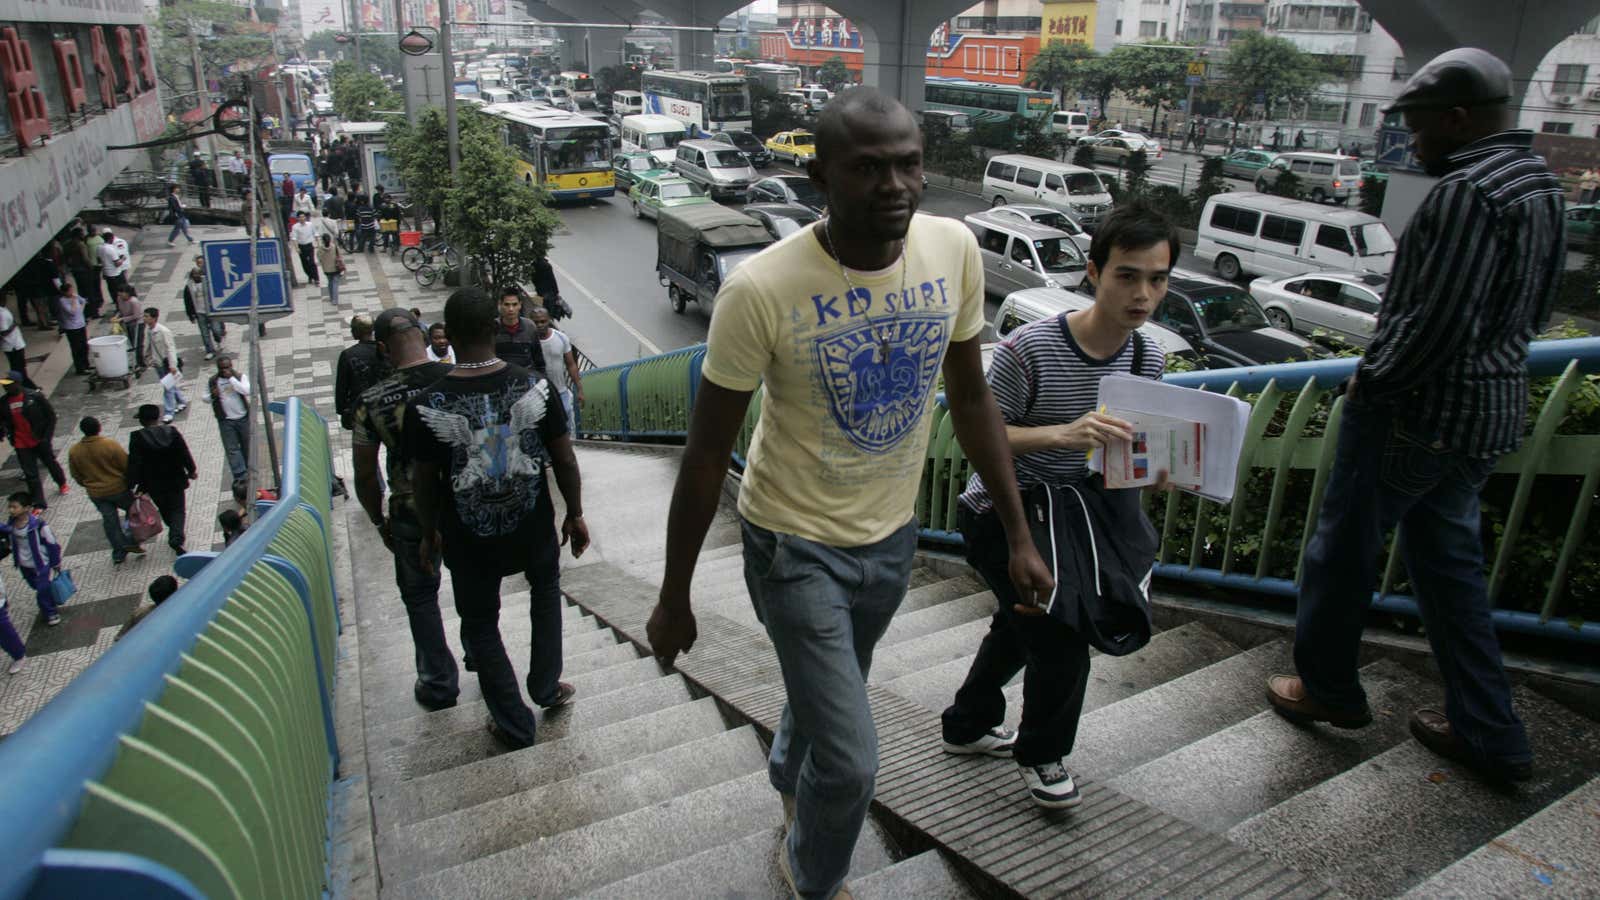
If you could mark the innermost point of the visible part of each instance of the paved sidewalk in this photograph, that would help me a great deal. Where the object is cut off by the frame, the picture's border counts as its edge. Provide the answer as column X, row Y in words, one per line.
column 299, row 354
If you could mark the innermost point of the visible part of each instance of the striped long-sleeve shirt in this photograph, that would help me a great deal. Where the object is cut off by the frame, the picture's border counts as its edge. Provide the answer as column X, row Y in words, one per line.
column 1473, row 281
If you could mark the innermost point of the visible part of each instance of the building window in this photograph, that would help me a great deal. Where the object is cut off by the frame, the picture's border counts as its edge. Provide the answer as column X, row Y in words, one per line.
column 1369, row 114
column 1147, row 29
column 1002, row 24
column 1556, row 128
column 1118, row 32
column 1401, row 71
column 1569, row 79
column 1163, row 30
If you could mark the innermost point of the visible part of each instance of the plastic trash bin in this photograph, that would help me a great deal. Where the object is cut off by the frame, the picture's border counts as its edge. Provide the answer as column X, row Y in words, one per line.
column 110, row 355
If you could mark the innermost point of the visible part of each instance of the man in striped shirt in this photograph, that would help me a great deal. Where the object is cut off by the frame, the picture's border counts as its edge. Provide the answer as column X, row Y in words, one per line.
column 1046, row 380
column 1441, row 394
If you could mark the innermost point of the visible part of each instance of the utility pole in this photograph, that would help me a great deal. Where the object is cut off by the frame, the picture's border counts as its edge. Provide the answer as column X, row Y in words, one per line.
column 253, row 326
column 405, row 70
column 204, row 90
column 355, row 32
column 446, row 14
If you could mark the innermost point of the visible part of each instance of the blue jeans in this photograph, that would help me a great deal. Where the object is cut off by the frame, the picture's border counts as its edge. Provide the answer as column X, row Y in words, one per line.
column 172, row 398
column 825, row 609
column 108, row 508
column 236, row 441
column 1385, row 474
column 419, row 591
column 210, row 332
column 181, row 225
column 333, row 286
column 477, row 589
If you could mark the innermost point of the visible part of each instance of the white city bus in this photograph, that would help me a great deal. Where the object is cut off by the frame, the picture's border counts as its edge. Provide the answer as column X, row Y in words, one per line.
column 703, row 101
column 580, row 85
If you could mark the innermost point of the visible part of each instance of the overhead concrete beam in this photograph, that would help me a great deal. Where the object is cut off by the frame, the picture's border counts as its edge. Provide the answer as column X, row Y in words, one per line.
column 694, row 50
column 894, row 41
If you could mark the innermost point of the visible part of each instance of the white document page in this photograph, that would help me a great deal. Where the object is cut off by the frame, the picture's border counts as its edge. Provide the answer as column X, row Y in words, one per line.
column 1223, row 418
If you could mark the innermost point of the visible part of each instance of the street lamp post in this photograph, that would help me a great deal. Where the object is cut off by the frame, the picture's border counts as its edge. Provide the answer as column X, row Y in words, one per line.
column 446, row 15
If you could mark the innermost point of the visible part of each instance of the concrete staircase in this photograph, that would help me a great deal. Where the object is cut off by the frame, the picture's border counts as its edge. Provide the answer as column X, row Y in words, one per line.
column 653, row 783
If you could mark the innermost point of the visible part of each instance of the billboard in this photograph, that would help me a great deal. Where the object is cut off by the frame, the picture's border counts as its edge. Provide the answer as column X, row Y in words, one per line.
column 1068, row 23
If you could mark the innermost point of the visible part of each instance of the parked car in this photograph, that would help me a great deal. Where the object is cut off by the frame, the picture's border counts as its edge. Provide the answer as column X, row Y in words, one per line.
column 1581, row 222
column 628, row 166
column 1343, row 305
column 795, row 146
column 748, row 144
column 1152, row 147
column 1022, row 307
column 1226, row 325
column 651, row 194
column 781, row 219
column 1371, row 171
column 1018, row 254
column 796, row 189
column 1116, row 150
column 1323, row 176
column 1246, row 163
column 1050, row 217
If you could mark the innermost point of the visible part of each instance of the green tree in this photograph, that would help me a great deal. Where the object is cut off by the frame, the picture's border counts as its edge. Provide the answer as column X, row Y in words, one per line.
column 1058, row 68
column 382, row 51
column 356, row 95
column 1137, row 170
column 744, row 53
column 1287, row 184
column 1266, row 67
column 494, row 216
column 223, row 35
column 1099, row 78
column 834, row 74
column 1152, row 75
column 1210, row 184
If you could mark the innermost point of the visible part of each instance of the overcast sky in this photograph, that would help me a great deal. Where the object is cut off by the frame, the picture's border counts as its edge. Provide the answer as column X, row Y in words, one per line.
column 764, row 6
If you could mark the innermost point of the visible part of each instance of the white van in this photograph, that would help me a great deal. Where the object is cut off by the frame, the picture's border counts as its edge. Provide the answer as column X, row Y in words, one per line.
column 657, row 134
column 1262, row 234
column 1071, row 123
column 1076, row 191
column 626, row 103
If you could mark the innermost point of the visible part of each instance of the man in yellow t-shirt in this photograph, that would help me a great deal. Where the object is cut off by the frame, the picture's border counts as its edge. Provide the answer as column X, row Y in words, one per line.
column 848, row 325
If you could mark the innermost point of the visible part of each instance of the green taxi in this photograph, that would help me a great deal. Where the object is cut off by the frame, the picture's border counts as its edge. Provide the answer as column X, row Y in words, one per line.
column 628, row 166
column 652, row 192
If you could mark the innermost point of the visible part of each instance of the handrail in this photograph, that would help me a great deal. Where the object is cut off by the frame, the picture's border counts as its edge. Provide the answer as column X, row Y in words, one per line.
column 77, row 737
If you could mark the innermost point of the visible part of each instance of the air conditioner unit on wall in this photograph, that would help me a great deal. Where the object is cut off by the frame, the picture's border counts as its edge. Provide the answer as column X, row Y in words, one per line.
column 1564, row 99
column 1594, row 93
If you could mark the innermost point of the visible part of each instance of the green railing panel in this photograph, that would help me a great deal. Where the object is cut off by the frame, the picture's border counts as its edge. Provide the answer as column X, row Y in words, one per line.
column 602, row 400
column 1573, row 539
column 300, row 541
column 1319, row 482
column 111, row 821
column 1293, row 436
column 1535, row 448
column 1261, row 415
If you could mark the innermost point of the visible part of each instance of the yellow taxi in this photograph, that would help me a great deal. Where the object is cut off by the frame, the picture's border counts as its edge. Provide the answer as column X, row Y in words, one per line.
column 795, row 146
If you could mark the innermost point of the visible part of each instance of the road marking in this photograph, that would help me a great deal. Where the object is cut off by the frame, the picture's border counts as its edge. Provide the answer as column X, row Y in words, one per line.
column 606, row 308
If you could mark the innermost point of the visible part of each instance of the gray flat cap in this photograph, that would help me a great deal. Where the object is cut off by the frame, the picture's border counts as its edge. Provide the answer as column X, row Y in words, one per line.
column 1463, row 77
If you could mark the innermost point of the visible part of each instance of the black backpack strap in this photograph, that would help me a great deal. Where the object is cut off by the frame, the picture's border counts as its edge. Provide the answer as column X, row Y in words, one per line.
column 1138, row 354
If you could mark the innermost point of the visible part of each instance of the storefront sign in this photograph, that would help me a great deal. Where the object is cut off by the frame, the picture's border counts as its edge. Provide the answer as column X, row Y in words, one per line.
column 1068, row 23
column 129, row 73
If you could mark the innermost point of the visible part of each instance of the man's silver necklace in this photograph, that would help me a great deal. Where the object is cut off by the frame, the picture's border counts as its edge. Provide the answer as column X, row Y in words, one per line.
column 491, row 361
column 883, row 332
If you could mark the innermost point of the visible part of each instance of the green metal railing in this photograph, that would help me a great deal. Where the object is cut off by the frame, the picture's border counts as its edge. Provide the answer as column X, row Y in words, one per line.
column 1256, row 542
column 195, row 758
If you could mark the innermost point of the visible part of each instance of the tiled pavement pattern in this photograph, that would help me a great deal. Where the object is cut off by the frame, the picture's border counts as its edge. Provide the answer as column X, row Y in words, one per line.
column 299, row 356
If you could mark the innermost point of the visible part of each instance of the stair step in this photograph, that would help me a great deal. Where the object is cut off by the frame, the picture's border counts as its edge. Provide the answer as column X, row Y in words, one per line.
column 906, row 626
column 1219, row 781
column 746, row 869
column 514, row 633
column 926, row 876
column 1390, row 823
column 940, row 591
column 543, row 812
column 1170, row 654
column 1554, row 853
column 587, row 857
column 512, row 605
column 549, row 761
column 392, row 704
column 906, row 657
column 1150, row 724
column 921, row 576
column 457, row 736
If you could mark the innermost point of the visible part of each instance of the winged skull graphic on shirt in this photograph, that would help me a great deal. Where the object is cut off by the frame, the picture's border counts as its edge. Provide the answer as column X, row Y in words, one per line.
column 495, row 466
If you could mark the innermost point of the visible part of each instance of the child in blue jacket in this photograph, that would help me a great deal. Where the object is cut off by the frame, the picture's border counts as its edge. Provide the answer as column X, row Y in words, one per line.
column 35, row 551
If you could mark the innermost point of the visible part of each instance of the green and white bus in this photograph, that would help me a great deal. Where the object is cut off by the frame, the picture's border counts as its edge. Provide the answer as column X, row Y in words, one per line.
column 704, row 102
column 985, row 102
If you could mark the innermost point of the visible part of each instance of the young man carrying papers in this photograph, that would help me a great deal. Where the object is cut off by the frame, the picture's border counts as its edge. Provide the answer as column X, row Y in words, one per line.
column 1046, row 379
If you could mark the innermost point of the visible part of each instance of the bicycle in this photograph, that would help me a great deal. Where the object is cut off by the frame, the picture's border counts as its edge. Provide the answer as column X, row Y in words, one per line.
column 428, row 273
column 414, row 258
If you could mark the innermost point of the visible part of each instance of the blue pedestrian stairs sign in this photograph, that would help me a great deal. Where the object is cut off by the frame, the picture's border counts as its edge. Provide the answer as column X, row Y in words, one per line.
column 228, row 270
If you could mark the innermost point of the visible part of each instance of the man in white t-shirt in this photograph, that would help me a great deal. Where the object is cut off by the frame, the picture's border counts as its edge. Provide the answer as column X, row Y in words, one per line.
column 847, row 326
column 560, row 362
column 115, row 261
column 304, row 235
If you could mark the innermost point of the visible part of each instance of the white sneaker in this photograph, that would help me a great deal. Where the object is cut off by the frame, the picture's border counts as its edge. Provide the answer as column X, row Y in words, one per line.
column 16, row 666
column 998, row 741
column 1050, row 785
column 166, row 419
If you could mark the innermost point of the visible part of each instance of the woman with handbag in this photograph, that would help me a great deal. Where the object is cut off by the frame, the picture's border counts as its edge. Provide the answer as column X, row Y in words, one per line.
column 36, row 552
column 331, row 261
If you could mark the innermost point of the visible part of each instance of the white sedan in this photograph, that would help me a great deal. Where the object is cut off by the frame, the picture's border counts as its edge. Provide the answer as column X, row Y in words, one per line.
column 1342, row 305
column 1151, row 146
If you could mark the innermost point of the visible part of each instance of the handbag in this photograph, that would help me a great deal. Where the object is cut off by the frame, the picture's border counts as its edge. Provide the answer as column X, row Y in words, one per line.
column 144, row 520
column 1102, row 549
column 62, row 588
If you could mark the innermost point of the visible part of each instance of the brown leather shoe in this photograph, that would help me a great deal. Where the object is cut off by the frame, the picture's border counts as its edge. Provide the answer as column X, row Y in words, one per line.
column 1432, row 730
column 1287, row 694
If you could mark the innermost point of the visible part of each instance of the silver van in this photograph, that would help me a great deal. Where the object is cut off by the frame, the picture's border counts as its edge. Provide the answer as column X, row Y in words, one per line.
column 1323, row 176
column 1019, row 254
column 722, row 170
column 1076, row 191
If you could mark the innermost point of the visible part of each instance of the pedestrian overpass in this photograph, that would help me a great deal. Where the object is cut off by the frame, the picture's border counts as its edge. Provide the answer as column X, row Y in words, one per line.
column 258, row 738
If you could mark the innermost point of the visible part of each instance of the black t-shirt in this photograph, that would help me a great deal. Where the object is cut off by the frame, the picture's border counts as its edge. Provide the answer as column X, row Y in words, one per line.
column 380, row 414
column 489, row 434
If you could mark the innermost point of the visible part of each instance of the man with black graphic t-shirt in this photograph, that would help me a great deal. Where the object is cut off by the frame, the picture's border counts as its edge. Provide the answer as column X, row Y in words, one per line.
column 379, row 420
column 478, row 440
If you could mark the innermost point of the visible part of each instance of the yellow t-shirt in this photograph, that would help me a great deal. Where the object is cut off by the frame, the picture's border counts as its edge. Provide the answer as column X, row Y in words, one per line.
column 840, row 447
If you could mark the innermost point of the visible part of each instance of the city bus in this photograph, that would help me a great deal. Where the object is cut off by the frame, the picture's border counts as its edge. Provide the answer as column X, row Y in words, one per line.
column 568, row 154
column 775, row 77
column 580, row 85
column 985, row 102
column 703, row 101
